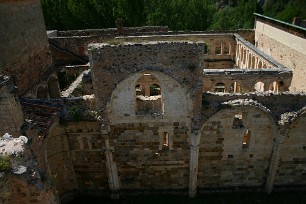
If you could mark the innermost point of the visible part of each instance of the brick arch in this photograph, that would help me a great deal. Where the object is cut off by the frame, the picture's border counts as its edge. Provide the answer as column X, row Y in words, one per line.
column 223, row 154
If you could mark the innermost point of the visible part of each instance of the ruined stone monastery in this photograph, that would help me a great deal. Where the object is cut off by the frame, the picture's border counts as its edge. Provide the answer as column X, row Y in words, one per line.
column 119, row 110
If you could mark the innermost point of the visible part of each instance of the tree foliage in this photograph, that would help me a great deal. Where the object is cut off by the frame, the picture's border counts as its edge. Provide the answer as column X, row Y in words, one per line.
column 177, row 14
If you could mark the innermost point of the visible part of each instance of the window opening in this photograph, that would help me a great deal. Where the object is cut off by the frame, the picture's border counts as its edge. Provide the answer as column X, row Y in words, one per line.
column 274, row 87
column 53, row 86
column 235, row 87
column 238, row 121
column 154, row 90
column 42, row 93
column 259, row 87
column 148, row 95
column 218, row 50
column 206, row 48
column 226, row 50
column 166, row 140
column 246, row 139
column 140, row 90
column 220, row 87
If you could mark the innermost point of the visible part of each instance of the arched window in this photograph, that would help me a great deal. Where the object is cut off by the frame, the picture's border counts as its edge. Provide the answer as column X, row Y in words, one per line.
column 53, row 86
column 42, row 92
column 148, row 95
column 246, row 139
column 259, row 64
column 259, row 87
column 253, row 62
column 154, row 90
column 238, row 123
column 274, row 87
column 140, row 90
column 220, row 87
column 235, row 87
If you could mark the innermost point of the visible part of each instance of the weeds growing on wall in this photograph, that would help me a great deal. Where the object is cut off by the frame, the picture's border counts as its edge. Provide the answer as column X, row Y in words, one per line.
column 75, row 113
column 5, row 163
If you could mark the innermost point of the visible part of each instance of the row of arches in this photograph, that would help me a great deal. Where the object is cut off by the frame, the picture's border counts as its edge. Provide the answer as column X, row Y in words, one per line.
column 235, row 87
column 247, row 59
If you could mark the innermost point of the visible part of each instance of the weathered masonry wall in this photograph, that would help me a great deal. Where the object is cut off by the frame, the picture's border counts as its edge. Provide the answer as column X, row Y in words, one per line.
column 87, row 155
column 24, row 44
column 143, row 162
column 59, row 161
column 223, row 160
column 11, row 115
column 148, row 151
column 76, row 156
column 284, row 46
column 219, row 51
column 75, row 42
column 181, row 61
column 292, row 166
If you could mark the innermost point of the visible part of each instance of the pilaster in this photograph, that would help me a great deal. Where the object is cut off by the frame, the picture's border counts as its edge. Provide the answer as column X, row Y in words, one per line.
column 193, row 168
column 282, row 133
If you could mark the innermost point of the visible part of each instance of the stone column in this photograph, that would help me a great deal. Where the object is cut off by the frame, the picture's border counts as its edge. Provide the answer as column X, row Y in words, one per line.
column 282, row 133
column 193, row 168
column 237, row 54
column 113, row 180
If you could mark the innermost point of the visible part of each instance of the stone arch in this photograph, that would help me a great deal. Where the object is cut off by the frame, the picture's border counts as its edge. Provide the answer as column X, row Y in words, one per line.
column 250, row 60
column 243, row 56
column 253, row 62
column 291, row 169
column 174, row 98
column 219, row 87
column 222, row 151
column 274, row 87
column 42, row 92
column 259, row 66
column 235, row 87
column 53, row 86
column 259, row 86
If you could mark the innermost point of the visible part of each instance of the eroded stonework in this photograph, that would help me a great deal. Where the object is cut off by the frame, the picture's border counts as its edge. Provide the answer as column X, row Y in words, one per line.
column 146, row 109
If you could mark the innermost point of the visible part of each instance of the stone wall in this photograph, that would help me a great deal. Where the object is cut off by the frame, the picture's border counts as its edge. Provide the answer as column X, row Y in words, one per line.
column 223, row 159
column 24, row 45
column 76, row 158
column 181, row 61
column 11, row 115
column 285, row 46
column 219, row 51
column 113, row 31
column 144, row 162
column 87, row 155
column 291, row 170
column 59, row 161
